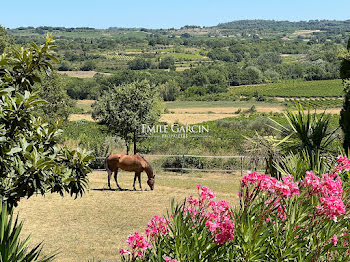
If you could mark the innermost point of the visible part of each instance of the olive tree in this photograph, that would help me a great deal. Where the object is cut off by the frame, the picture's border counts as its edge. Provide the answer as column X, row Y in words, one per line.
column 126, row 107
column 31, row 161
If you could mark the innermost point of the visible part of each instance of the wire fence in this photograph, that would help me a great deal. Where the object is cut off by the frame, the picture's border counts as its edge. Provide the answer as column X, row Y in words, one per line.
column 241, row 163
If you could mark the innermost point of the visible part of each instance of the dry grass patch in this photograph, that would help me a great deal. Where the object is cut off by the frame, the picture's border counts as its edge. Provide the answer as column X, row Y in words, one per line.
column 82, row 74
column 307, row 32
column 85, row 102
column 77, row 117
column 98, row 224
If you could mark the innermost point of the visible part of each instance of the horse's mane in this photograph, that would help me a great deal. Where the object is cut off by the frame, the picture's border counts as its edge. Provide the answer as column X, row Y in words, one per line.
column 147, row 163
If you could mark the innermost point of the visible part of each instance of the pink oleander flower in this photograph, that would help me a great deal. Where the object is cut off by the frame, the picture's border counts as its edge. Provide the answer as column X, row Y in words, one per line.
column 156, row 226
column 124, row 251
column 169, row 259
column 334, row 240
column 219, row 222
column 137, row 241
column 217, row 213
column 138, row 245
column 194, row 205
column 331, row 207
column 313, row 182
column 328, row 185
column 343, row 164
column 285, row 188
column 331, row 185
column 206, row 193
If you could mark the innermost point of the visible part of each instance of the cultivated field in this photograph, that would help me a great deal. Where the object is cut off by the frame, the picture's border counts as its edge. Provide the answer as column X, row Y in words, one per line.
column 97, row 225
column 293, row 88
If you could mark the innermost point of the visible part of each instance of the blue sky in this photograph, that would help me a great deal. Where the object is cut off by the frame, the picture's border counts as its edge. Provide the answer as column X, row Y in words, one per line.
column 163, row 13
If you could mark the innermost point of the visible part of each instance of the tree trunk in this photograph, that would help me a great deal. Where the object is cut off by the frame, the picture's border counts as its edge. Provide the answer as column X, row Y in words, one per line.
column 135, row 143
column 127, row 148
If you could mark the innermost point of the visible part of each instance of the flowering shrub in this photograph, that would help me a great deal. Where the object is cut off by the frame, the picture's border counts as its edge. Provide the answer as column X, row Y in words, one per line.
column 138, row 245
column 276, row 220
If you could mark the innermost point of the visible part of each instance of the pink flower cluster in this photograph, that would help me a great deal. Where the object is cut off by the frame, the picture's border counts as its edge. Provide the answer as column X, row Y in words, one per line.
column 219, row 222
column 330, row 190
column 285, row 188
column 334, row 240
column 218, row 214
column 332, row 207
column 194, row 206
column 343, row 164
column 328, row 185
column 169, row 259
column 156, row 226
column 138, row 245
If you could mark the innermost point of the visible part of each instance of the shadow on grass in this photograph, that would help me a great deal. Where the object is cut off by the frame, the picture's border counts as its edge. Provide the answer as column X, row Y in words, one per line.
column 114, row 189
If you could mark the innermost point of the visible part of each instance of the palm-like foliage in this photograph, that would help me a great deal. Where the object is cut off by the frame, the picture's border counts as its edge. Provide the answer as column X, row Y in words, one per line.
column 297, row 164
column 309, row 133
column 12, row 248
column 267, row 149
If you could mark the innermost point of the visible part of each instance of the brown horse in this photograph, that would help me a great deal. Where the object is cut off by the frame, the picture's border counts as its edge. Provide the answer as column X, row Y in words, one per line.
column 132, row 163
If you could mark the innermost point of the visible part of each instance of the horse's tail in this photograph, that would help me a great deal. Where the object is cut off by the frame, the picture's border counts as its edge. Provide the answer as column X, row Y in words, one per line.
column 106, row 165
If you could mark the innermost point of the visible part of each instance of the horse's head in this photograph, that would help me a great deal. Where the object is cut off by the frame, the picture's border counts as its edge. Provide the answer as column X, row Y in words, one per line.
column 150, row 182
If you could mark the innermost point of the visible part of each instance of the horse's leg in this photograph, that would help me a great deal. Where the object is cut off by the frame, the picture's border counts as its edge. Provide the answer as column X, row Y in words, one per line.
column 109, row 172
column 116, row 178
column 134, row 181
column 139, row 177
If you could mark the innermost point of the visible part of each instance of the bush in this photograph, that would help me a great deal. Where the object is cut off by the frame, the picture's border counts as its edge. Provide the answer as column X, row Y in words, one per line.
column 88, row 65
column 277, row 220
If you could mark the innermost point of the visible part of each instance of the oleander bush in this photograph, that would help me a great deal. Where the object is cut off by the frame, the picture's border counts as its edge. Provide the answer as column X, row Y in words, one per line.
column 276, row 220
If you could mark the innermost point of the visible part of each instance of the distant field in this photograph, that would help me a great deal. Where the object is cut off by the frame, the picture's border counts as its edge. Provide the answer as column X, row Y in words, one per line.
column 81, row 74
column 218, row 104
column 193, row 112
column 97, row 225
column 290, row 88
column 307, row 32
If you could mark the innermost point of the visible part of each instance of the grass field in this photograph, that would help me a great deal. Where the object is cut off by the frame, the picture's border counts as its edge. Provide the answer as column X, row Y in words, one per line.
column 296, row 88
column 97, row 225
